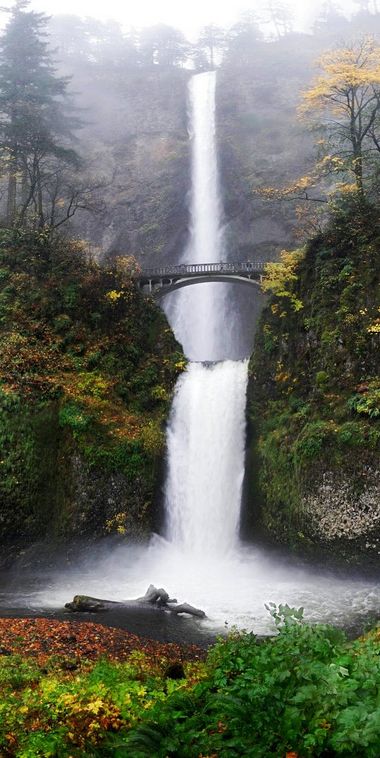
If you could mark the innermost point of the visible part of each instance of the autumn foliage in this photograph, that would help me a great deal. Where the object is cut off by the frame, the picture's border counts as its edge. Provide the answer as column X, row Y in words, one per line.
column 341, row 108
column 87, row 364
column 85, row 690
column 345, row 97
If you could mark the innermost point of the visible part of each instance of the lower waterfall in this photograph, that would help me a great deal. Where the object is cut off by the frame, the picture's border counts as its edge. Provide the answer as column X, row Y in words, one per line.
column 205, row 443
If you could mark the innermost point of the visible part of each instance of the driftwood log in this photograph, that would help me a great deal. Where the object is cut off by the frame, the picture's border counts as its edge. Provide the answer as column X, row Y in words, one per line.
column 153, row 598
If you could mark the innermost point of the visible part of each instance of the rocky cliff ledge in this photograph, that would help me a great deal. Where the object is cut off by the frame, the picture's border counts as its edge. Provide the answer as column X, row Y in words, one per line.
column 315, row 395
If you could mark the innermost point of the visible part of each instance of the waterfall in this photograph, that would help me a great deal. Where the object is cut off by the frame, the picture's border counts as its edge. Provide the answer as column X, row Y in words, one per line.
column 200, row 558
column 206, row 434
column 206, row 457
column 198, row 313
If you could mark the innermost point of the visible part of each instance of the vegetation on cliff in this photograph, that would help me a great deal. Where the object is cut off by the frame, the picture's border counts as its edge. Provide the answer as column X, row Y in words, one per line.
column 315, row 398
column 86, row 371
column 315, row 401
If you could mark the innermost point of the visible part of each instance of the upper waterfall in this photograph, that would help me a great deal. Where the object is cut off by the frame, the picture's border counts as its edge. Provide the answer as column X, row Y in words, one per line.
column 197, row 315
column 206, row 235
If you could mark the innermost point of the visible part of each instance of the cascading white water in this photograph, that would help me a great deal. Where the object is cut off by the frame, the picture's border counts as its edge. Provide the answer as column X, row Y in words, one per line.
column 207, row 318
column 206, row 458
column 197, row 314
column 206, row 432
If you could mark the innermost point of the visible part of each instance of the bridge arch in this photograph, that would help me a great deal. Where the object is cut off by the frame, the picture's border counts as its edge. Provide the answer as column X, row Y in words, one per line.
column 167, row 288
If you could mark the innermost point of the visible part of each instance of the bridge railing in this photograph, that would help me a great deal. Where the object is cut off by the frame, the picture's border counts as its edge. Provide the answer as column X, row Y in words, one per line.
column 248, row 267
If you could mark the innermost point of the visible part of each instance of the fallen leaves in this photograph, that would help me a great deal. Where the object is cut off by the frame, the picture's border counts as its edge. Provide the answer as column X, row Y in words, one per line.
column 43, row 637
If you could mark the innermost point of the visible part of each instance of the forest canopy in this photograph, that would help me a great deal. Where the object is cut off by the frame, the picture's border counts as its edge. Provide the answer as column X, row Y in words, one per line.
column 53, row 165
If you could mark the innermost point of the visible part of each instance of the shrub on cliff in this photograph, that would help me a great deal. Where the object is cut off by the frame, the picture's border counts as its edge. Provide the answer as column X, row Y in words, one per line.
column 87, row 364
column 315, row 375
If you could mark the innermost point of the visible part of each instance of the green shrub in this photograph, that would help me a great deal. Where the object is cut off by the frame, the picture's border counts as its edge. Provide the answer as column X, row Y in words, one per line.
column 366, row 404
column 153, row 438
column 351, row 433
column 312, row 439
column 73, row 416
column 306, row 691
column 321, row 379
column 127, row 456
column 92, row 384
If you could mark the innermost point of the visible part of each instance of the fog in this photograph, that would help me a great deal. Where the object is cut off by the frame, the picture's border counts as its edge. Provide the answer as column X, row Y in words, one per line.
column 187, row 17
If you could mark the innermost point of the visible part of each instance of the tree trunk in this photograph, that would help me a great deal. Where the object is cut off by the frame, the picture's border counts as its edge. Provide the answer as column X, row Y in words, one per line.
column 12, row 191
column 40, row 202
column 154, row 598
column 358, row 170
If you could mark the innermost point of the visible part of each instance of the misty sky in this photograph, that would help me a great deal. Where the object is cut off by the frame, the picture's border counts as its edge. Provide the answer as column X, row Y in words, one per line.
column 188, row 16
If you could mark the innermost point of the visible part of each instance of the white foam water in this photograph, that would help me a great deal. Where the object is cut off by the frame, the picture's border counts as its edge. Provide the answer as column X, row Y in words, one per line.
column 232, row 588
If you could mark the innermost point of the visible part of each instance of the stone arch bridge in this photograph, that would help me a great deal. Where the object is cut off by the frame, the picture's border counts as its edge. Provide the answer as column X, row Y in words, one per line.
column 158, row 282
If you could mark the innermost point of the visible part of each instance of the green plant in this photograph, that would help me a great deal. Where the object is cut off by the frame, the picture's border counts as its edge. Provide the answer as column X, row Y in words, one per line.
column 351, row 433
column 92, row 384
column 366, row 404
column 73, row 416
column 312, row 439
column 305, row 691
column 281, row 279
column 284, row 615
column 321, row 379
column 153, row 438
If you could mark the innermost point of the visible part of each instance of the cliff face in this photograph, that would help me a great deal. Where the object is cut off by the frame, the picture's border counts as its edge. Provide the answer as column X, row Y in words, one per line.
column 343, row 503
column 137, row 137
column 87, row 369
column 138, row 132
column 315, row 395
column 262, row 143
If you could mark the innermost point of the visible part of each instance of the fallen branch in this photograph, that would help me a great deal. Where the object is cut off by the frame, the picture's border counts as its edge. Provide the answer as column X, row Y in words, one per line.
column 153, row 598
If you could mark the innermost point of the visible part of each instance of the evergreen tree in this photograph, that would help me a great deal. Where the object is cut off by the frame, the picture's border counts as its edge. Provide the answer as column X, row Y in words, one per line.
column 242, row 41
column 211, row 43
column 35, row 128
column 279, row 16
column 331, row 21
column 163, row 45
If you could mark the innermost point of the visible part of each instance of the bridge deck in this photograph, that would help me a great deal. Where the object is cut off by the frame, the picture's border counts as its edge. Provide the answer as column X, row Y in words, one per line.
column 194, row 269
column 164, row 279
